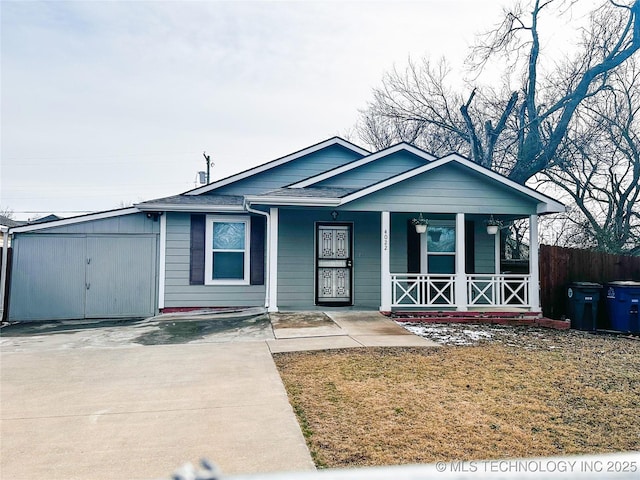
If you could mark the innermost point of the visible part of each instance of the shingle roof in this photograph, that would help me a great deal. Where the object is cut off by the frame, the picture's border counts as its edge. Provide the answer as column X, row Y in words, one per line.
column 194, row 200
column 310, row 192
column 7, row 222
column 49, row 218
column 280, row 161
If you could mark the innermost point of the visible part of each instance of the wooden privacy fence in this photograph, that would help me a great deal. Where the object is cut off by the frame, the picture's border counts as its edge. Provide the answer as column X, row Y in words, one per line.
column 560, row 266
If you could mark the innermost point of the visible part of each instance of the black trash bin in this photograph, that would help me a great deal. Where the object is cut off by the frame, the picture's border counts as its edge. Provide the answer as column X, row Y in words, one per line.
column 583, row 305
column 623, row 299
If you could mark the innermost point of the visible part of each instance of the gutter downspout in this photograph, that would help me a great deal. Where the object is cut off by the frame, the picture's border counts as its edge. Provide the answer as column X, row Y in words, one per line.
column 3, row 273
column 247, row 206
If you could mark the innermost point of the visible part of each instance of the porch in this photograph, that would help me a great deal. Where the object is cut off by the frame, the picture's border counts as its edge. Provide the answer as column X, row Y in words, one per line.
column 378, row 260
column 445, row 275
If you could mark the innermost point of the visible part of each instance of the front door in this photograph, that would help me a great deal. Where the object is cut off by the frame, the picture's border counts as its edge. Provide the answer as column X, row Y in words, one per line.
column 333, row 264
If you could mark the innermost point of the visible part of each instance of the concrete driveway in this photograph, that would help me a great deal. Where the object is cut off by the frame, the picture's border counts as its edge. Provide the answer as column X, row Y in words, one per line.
column 77, row 405
column 138, row 399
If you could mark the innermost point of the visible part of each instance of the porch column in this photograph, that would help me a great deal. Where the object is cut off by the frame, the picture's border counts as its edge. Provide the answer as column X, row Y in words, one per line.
column 385, row 264
column 496, row 252
column 461, row 275
column 534, row 267
column 162, row 268
column 272, row 246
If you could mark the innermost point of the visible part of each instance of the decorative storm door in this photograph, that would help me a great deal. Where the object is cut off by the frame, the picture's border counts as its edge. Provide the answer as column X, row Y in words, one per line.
column 333, row 265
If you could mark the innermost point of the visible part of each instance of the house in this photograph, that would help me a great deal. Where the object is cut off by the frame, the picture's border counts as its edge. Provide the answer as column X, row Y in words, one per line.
column 47, row 218
column 328, row 226
column 5, row 224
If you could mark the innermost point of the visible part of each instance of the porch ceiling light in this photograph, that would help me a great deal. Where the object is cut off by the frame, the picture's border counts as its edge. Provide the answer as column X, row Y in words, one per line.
column 420, row 223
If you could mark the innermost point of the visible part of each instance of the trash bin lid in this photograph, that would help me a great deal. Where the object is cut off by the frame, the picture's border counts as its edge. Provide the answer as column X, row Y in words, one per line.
column 586, row 285
column 624, row 283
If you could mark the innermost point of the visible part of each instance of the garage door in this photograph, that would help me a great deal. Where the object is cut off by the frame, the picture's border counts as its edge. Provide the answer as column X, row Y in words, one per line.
column 83, row 276
column 120, row 278
column 42, row 275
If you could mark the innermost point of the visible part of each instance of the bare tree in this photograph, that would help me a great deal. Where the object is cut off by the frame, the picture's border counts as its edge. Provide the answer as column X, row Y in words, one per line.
column 515, row 132
column 414, row 106
column 6, row 212
column 598, row 165
column 561, row 230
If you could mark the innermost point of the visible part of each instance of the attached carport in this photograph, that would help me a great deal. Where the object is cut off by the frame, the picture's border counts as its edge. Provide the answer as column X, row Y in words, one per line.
column 98, row 266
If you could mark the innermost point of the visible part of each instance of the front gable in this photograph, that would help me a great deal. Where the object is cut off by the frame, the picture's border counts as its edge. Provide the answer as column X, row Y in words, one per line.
column 451, row 184
column 376, row 171
column 371, row 169
column 449, row 188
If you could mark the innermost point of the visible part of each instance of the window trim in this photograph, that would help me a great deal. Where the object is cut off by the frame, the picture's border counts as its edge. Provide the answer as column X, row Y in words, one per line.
column 208, row 249
column 428, row 253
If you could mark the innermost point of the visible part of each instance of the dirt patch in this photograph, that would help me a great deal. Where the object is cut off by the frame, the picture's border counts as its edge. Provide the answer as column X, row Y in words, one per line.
column 300, row 320
column 519, row 392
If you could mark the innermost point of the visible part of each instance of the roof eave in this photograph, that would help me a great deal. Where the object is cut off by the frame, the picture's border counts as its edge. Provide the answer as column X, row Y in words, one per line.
column 294, row 201
column 79, row 219
column 550, row 207
column 167, row 207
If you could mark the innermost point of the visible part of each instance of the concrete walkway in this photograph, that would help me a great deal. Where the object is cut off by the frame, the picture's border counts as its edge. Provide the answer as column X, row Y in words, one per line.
column 300, row 331
column 80, row 404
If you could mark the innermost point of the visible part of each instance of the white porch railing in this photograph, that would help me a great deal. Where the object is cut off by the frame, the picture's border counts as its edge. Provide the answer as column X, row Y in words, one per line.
column 498, row 290
column 418, row 290
column 414, row 289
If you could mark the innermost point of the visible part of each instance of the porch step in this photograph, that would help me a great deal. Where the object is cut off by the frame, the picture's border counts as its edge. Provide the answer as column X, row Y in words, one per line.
column 500, row 318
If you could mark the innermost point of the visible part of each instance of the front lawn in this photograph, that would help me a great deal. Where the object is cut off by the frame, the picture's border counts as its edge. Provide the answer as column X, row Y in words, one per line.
column 519, row 392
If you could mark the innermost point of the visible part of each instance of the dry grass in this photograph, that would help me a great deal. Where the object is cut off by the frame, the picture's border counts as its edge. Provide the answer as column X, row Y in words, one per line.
column 577, row 393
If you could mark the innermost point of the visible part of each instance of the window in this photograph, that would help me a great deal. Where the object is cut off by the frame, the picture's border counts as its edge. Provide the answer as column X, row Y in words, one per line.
column 441, row 249
column 227, row 250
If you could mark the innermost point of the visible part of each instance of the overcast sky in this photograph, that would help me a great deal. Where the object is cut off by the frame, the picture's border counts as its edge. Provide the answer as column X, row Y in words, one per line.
column 110, row 103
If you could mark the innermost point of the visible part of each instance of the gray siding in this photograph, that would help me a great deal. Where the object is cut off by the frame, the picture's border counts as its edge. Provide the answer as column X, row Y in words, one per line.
column 376, row 171
column 134, row 223
column 296, row 257
column 294, row 171
column 447, row 189
column 398, row 242
column 178, row 292
column 366, row 262
column 484, row 249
